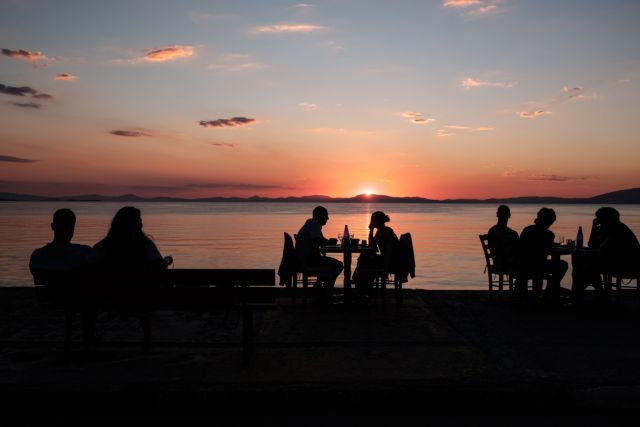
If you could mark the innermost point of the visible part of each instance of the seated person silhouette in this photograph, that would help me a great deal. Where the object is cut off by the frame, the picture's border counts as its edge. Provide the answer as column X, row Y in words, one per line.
column 618, row 251
column 62, row 255
column 369, row 263
column 308, row 242
column 535, row 247
column 503, row 241
column 127, row 250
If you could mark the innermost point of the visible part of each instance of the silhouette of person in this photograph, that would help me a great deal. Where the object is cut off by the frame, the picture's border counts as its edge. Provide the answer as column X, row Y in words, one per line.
column 535, row 246
column 127, row 249
column 619, row 247
column 383, row 240
column 308, row 243
column 503, row 240
column 62, row 255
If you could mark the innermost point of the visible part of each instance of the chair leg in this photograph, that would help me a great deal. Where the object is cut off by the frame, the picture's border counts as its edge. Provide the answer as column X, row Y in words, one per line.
column 618, row 288
column 305, row 287
column 490, row 276
column 384, row 288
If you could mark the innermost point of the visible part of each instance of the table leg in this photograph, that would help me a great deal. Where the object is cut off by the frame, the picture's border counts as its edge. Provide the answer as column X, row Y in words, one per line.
column 347, row 276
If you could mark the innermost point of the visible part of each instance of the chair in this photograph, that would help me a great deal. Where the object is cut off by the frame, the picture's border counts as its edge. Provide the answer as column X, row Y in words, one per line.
column 401, row 263
column 494, row 269
column 617, row 278
column 293, row 269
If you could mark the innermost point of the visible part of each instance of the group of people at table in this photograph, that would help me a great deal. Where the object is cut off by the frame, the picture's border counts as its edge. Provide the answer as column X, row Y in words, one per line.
column 127, row 248
column 611, row 248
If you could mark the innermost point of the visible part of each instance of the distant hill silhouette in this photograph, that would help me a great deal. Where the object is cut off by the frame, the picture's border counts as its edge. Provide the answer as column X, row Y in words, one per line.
column 629, row 196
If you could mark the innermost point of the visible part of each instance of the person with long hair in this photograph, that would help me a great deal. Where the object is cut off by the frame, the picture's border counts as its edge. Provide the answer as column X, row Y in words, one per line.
column 126, row 248
column 371, row 264
column 128, row 257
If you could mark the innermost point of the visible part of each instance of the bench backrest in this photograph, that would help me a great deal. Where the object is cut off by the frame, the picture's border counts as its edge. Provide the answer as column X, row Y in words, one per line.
column 176, row 288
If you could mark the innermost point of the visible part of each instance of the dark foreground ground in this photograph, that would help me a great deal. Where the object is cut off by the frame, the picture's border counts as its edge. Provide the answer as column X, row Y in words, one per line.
column 444, row 356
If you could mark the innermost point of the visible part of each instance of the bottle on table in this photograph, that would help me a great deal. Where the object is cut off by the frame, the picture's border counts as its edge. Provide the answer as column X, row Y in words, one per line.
column 345, row 236
column 579, row 238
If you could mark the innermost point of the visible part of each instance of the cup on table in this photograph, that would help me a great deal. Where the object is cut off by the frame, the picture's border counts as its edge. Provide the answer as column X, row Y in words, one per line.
column 333, row 242
column 560, row 240
column 354, row 242
column 571, row 243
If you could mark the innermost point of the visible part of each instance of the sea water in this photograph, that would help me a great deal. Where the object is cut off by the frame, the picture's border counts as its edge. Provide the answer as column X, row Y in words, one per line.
column 250, row 235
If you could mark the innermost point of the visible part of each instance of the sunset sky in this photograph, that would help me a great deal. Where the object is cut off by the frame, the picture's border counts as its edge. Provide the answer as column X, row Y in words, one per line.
column 440, row 99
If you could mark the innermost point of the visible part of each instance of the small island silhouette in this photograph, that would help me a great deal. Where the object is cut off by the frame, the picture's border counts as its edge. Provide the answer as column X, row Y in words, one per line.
column 628, row 196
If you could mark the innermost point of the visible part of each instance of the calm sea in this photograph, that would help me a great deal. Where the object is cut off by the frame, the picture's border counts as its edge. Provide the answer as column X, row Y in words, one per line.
column 250, row 235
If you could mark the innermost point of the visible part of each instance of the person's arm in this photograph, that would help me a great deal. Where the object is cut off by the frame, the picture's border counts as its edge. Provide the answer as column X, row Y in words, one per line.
column 595, row 237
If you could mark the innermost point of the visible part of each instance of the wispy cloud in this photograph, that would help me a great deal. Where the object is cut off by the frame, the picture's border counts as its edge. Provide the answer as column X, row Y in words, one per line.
column 155, row 55
column 303, row 7
column 11, row 159
column 443, row 133
column 461, row 3
column 473, row 7
column 37, row 59
column 471, row 83
column 222, row 144
column 203, row 17
column 232, row 122
column 308, row 106
column 341, row 131
column 533, row 114
column 29, row 105
column 417, row 118
column 130, row 133
column 559, row 178
column 235, row 62
column 287, row 28
column 168, row 53
column 447, row 130
column 65, row 77
column 23, row 91
column 239, row 186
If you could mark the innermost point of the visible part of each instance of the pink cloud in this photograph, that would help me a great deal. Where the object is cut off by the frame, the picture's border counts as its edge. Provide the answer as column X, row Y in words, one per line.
column 460, row 3
column 287, row 28
column 168, row 53
column 65, row 77
column 533, row 114
column 471, row 83
column 37, row 59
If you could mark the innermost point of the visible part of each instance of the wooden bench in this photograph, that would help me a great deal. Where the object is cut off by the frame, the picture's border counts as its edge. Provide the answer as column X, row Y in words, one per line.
column 245, row 290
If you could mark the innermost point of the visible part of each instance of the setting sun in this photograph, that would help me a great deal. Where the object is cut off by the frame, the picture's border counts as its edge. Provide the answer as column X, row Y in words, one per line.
column 367, row 191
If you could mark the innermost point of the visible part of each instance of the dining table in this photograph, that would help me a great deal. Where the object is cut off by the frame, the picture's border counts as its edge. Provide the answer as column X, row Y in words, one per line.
column 347, row 252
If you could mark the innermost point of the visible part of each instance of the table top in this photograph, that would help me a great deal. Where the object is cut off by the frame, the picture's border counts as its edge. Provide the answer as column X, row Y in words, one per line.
column 566, row 250
column 345, row 249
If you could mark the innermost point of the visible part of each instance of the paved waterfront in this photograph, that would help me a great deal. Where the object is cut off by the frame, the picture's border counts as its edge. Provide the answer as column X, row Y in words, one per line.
column 440, row 352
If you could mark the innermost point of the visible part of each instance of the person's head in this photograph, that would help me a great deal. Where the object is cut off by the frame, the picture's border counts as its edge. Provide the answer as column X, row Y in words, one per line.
column 126, row 224
column 607, row 216
column 321, row 214
column 545, row 217
column 378, row 219
column 503, row 213
column 63, row 225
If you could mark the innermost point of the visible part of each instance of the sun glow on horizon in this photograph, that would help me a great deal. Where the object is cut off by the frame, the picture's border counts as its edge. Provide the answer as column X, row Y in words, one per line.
column 367, row 191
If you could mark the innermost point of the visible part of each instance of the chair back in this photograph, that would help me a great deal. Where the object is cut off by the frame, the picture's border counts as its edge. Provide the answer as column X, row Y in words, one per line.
column 486, row 249
column 289, row 262
column 404, row 258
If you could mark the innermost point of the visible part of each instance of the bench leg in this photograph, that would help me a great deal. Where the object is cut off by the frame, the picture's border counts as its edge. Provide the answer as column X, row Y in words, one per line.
column 247, row 334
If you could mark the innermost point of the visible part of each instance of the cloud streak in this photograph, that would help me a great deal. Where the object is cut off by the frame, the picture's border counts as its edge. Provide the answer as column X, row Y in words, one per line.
column 168, row 53
column 11, row 159
column 65, row 77
column 417, row 118
column 308, row 106
column 23, row 91
column 37, row 59
column 287, row 28
column 533, row 114
column 28, row 105
column 232, row 122
column 222, row 144
column 473, row 7
column 129, row 133
column 239, row 186
column 471, row 83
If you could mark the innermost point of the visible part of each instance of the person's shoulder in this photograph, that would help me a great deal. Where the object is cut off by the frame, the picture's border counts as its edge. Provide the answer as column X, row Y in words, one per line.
column 81, row 248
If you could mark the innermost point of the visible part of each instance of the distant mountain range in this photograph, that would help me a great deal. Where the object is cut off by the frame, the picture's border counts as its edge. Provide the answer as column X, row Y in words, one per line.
column 629, row 196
